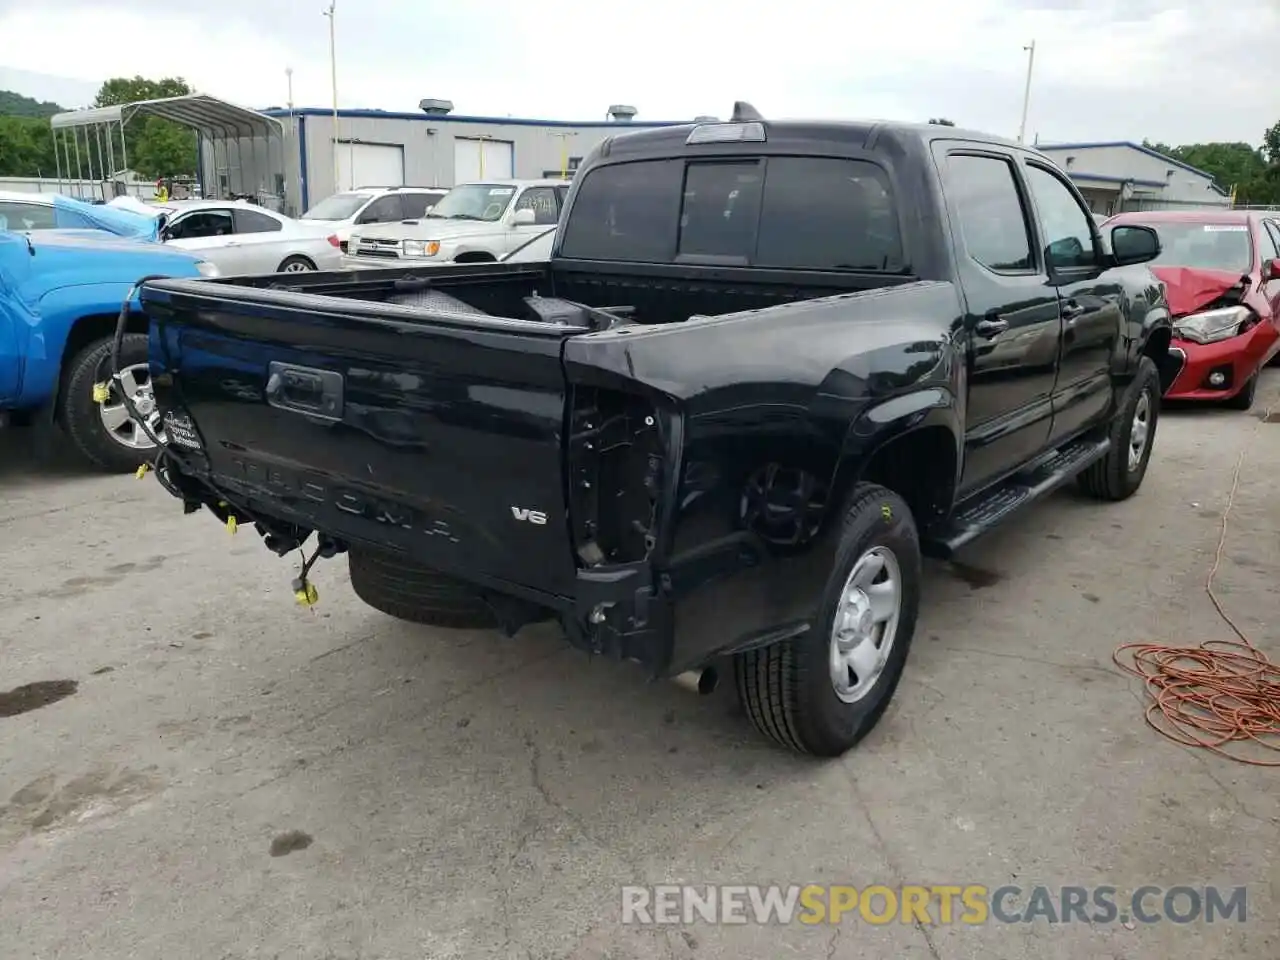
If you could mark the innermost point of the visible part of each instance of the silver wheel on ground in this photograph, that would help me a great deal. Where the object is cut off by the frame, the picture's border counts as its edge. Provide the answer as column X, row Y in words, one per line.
column 119, row 426
column 1139, row 431
column 823, row 690
column 865, row 624
column 296, row 264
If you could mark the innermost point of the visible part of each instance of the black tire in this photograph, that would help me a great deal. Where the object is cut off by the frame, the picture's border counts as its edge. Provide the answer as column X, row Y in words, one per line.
column 295, row 264
column 417, row 594
column 81, row 415
column 1244, row 399
column 1111, row 478
column 787, row 688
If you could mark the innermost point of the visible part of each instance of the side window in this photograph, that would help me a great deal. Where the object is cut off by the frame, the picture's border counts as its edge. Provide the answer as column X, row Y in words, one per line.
column 250, row 221
column 826, row 214
column 26, row 216
column 200, row 224
column 543, row 202
column 721, row 209
column 626, row 211
column 1273, row 234
column 414, row 205
column 1068, row 233
column 383, row 210
column 989, row 207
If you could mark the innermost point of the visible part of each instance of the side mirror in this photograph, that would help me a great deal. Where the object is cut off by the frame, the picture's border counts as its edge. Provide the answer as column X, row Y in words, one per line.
column 1270, row 270
column 1132, row 244
column 524, row 218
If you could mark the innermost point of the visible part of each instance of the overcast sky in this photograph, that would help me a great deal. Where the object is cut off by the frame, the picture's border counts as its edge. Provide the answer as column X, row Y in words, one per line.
column 1178, row 71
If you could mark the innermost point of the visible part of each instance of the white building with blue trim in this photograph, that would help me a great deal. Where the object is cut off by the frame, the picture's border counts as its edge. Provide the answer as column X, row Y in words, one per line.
column 1119, row 175
column 433, row 148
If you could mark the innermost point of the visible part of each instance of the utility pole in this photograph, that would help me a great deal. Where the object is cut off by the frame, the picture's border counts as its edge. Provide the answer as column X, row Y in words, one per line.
column 333, row 73
column 564, row 152
column 288, row 73
column 1026, row 93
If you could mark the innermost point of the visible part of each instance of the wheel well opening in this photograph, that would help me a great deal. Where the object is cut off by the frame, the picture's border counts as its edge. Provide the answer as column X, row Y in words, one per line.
column 920, row 467
column 475, row 256
column 88, row 330
column 1157, row 348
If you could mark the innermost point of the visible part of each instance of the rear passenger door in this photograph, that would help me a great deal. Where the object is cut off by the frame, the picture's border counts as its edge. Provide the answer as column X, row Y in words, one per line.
column 1089, row 299
column 260, row 242
column 1011, row 319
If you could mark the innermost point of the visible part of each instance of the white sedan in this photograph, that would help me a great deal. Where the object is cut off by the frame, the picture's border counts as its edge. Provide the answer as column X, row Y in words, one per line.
column 242, row 238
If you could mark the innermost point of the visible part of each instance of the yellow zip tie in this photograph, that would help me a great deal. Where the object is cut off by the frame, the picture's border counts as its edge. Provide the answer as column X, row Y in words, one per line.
column 231, row 525
column 142, row 470
column 101, row 393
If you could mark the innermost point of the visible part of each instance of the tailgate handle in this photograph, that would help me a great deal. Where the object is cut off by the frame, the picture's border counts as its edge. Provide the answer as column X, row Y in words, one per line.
column 305, row 390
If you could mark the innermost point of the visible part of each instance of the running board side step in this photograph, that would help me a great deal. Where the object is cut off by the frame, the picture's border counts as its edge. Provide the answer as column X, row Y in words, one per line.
column 1046, row 474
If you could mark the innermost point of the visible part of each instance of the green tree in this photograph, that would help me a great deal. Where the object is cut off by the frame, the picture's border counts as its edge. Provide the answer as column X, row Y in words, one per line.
column 1254, row 173
column 26, row 143
column 16, row 105
column 156, row 148
column 26, row 148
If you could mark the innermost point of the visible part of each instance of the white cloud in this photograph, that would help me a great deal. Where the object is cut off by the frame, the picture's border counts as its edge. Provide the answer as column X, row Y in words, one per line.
column 1105, row 69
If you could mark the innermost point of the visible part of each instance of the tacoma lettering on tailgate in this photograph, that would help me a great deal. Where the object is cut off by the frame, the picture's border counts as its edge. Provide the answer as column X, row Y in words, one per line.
column 289, row 485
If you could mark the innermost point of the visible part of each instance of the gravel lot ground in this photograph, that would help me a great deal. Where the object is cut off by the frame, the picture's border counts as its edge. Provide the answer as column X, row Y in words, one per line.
column 462, row 795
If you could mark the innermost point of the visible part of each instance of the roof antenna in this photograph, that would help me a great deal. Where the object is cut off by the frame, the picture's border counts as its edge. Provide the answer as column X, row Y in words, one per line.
column 744, row 112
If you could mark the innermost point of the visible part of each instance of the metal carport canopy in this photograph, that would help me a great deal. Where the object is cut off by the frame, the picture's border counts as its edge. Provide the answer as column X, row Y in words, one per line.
column 197, row 110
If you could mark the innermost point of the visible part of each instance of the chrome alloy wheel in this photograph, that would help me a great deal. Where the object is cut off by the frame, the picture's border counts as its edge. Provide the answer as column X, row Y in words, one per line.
column 123, row 429
column 866, row 623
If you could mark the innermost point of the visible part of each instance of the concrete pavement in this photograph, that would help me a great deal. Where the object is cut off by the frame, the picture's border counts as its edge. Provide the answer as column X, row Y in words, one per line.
column 231, row 776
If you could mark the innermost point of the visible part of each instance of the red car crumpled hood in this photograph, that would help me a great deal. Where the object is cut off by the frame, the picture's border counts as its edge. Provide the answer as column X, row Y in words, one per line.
column 1189, row 289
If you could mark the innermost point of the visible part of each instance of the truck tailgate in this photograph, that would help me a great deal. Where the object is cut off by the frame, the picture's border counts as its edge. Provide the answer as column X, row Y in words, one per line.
column 436, row 435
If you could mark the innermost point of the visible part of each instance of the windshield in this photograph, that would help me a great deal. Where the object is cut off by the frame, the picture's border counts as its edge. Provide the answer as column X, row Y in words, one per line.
column 474, row 201
column 535, row 251
column 341, row 206
column 1204, row 246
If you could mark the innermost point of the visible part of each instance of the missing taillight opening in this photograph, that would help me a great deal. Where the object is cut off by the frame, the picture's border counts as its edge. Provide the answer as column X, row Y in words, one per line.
column 616, row 472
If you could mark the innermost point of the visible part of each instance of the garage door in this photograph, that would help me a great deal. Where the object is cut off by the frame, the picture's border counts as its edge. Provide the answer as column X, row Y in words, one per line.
column 475, row 159
column 370, row 165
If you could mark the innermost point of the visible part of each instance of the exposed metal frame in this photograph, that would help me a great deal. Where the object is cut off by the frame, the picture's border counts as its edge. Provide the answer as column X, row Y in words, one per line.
column 216, row 122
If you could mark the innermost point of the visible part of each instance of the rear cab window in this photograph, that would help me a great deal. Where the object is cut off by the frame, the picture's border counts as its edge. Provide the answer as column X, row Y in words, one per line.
column 786, row 212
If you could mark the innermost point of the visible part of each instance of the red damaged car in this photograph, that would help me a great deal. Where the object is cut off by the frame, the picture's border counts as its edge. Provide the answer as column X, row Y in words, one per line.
column 1221, row 271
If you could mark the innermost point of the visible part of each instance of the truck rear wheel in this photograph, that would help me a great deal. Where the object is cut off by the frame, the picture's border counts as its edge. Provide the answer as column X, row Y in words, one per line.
column 822, row 692
column 1118, row 475
column 418, row 594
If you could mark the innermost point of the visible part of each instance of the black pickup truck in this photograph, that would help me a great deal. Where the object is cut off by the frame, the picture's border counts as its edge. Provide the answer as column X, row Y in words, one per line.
column 768, row 366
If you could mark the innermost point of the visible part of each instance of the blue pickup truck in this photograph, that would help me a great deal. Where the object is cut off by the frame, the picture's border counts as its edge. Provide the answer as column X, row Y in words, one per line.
column 60, row 295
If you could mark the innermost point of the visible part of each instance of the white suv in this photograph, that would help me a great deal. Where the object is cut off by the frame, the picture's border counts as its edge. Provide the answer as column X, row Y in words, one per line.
column 344, row 212
column 473, row 223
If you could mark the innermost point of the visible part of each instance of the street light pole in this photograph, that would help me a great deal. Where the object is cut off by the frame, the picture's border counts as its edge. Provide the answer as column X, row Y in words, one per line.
column 1026, row 93
column 333, row 73
column 288, row 73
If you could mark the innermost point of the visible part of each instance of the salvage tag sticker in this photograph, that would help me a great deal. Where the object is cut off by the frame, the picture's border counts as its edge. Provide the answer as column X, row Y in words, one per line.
column 1225, row 228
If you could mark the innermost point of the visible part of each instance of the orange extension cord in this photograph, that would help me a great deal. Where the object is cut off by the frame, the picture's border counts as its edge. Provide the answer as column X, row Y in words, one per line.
column 1223, row 695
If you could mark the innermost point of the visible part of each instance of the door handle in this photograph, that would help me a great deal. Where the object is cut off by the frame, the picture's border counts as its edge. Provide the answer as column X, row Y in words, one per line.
column 1072, row 311
column 990, row 326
